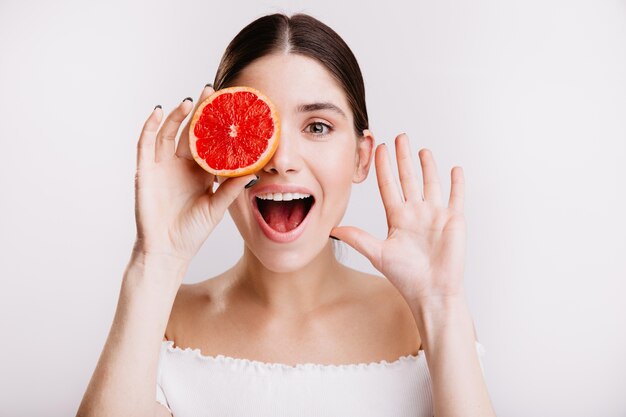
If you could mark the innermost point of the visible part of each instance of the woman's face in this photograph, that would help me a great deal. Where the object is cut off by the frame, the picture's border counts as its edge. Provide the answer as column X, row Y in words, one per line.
column 318, row 155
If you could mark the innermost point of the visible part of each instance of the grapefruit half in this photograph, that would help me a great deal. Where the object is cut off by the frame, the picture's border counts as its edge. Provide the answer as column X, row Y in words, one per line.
column 234, row 131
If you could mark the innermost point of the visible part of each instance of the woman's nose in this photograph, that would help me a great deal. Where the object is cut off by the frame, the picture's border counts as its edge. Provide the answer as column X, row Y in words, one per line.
column 286, row 158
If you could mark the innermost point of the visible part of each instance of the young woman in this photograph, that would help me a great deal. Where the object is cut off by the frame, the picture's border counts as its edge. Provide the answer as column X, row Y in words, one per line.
column 288, row 330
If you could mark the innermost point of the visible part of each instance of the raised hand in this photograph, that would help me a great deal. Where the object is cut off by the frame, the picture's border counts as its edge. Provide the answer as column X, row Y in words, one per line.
column 424, row 253
column 176, row 207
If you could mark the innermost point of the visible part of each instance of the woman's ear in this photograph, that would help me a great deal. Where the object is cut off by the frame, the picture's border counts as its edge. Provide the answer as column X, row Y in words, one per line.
column 364, row 153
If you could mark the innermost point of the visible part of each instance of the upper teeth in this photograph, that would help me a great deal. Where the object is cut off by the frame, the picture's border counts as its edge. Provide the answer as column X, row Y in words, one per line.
column 282, row 196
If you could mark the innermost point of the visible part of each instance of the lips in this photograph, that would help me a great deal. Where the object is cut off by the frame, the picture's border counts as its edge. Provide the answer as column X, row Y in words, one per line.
column 282, row 211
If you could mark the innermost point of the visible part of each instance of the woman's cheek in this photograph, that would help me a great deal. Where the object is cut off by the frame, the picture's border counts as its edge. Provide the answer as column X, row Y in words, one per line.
column 241, row 213
column 334, row 170
column 333, row 157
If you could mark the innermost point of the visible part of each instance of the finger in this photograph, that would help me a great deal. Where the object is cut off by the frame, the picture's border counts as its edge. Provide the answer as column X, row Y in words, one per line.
column 457, row 189
column 364, row 243
column 147, row 138
column 166, row 137
column 408, row 178
column 225, row 194
column 432, row 188
column 182, row 149
column 386, row 184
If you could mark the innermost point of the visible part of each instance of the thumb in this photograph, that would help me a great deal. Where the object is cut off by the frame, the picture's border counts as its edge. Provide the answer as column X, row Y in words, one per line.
column 225, row 194
column 364, row 243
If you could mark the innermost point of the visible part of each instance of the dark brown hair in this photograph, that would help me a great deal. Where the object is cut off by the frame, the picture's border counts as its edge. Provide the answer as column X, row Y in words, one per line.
column 298, row 34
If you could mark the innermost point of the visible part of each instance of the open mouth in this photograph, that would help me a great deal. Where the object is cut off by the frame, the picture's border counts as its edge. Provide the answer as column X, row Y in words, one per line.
column 284, row 212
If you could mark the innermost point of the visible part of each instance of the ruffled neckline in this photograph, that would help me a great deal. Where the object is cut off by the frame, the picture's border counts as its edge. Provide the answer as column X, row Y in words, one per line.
column 229, row 360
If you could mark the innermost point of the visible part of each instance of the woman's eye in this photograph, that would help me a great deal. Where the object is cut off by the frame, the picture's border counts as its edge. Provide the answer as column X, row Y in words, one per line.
column 317, row 128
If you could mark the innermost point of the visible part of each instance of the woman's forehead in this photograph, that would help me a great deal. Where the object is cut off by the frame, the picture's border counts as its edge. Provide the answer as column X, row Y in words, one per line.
column 295, row 83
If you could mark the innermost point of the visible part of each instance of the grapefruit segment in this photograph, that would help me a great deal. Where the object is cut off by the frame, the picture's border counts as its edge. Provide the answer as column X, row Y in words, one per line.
column 234, row 132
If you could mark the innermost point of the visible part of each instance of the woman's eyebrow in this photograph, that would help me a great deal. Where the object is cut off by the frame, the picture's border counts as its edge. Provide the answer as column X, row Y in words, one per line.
column 321, row 106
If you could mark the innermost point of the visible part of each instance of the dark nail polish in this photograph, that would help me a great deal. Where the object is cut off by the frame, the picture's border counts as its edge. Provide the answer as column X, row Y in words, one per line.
column 209, row 85
column 251, row 183
column 158, row 106
column 188, row 98
column 336, row 238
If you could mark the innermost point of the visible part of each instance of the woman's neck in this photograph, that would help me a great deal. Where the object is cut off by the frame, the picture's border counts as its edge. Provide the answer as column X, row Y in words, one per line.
column 293, row 293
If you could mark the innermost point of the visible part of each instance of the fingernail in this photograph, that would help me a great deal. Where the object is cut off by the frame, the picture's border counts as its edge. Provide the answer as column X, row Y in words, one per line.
column 188, row 98
column 251, row 183
column 158, row 106
column 336, row 238
column 208, row 85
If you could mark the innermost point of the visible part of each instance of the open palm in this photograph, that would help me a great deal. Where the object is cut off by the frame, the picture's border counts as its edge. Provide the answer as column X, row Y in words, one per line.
column 424, row 253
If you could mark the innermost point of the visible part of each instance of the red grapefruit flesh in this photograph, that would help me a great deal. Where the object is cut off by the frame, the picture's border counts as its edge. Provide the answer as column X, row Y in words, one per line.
column 234, row 132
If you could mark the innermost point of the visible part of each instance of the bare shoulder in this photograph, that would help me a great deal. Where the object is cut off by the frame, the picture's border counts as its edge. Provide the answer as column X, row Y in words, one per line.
column 186, row 304
column 387, row 311
column 368, row 320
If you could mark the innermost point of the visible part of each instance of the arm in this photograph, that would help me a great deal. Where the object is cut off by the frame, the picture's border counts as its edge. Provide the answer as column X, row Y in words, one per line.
column 423, row 257
column 175, row 212
column 124, row 381
column 448, row 335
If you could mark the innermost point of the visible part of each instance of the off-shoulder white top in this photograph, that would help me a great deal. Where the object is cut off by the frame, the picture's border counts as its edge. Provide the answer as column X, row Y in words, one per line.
column 191, row 384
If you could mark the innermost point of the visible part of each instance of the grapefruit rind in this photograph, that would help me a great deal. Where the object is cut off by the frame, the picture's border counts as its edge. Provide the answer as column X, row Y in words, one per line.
column 263, row 158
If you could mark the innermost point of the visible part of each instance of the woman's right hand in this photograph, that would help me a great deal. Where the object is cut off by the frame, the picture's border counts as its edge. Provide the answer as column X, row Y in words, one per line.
column 175, row 205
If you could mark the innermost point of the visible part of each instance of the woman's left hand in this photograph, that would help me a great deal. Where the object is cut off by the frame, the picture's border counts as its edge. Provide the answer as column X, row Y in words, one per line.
column 424, row 253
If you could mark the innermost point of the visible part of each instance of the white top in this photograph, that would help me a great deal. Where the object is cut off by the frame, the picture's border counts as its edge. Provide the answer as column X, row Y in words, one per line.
column 191, row 384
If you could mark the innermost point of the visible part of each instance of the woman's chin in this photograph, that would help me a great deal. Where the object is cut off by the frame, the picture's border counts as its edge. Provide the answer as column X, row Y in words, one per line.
column 286, row 258
column 282, row 252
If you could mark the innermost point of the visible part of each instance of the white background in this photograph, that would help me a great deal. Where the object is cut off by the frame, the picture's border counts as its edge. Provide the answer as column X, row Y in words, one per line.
column 529, row 97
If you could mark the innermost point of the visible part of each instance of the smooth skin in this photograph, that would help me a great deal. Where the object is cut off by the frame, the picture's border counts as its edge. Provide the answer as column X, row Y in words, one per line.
column 313, row 297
